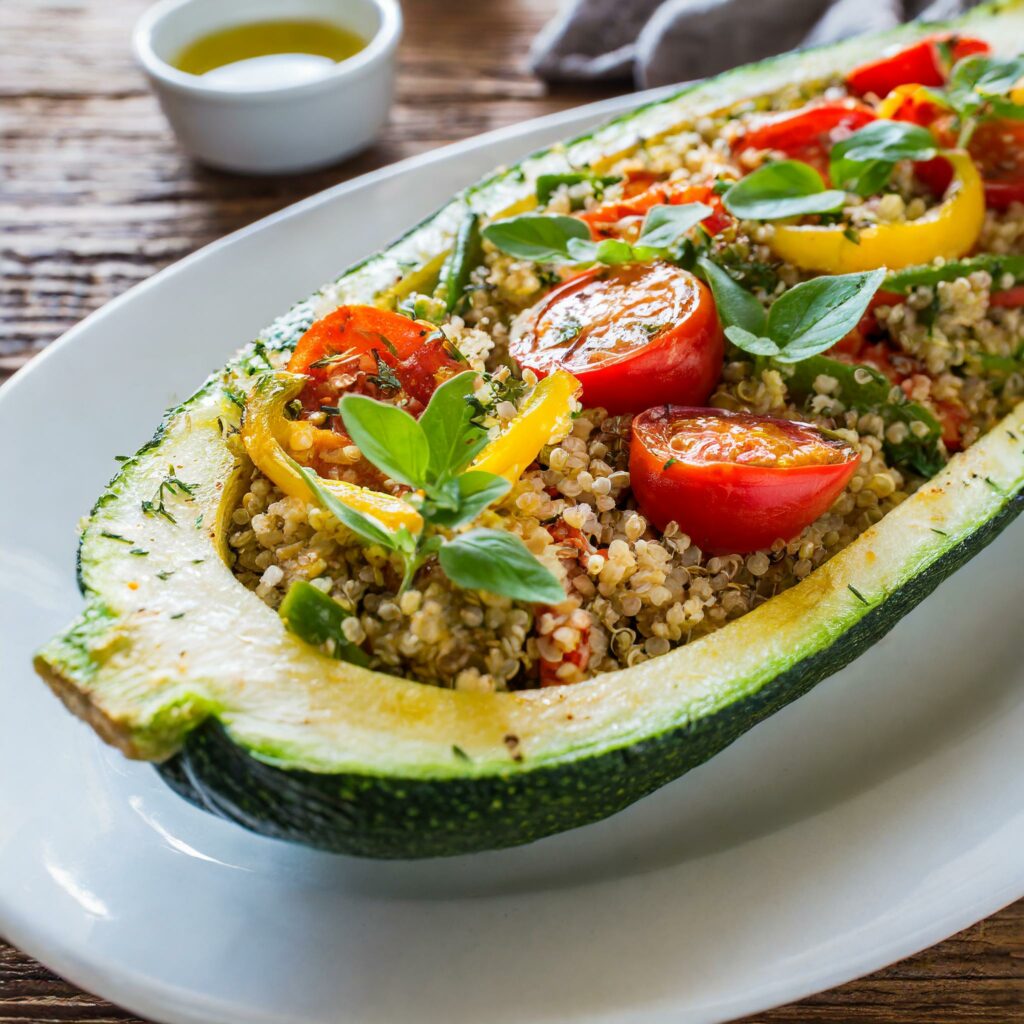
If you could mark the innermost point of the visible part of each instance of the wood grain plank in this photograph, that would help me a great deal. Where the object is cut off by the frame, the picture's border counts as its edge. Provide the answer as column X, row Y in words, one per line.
column 95, row 197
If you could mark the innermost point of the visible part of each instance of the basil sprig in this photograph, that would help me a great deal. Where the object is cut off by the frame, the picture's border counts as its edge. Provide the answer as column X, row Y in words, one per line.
column 808, row 318
column 432, row 455
column 864, row 162
column 785, row 188
column 553, row 238
column 978, row 89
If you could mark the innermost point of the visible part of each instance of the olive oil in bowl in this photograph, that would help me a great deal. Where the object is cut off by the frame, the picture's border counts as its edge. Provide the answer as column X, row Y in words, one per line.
column 268, row 54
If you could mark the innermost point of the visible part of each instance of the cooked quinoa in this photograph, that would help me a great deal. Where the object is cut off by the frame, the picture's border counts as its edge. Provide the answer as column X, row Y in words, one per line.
column 632, row 592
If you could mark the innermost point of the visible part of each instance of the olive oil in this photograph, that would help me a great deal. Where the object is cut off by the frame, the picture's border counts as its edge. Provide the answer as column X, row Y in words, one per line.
column 268, row 53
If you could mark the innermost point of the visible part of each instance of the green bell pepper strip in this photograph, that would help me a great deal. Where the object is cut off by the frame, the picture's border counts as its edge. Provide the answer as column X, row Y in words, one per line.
column 315, row 617
column 867, row 390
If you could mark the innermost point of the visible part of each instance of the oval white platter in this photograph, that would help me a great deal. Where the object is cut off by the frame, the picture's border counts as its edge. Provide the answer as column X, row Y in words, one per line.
column 872, row 818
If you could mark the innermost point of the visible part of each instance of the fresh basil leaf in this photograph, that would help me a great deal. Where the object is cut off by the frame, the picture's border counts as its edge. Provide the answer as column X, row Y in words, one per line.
column 367, row 529
column 581, row 250
column 315, row 617
column 541, row 238
column 548, row 184
column 475, row 491
column 736, row 306
column 786, row 188
column 453, row 439
column 614, row 250
column 664, row 225
column 816, row 314
column 500, row 563
column 389, row 437
column 863, row 163
column 755, row 344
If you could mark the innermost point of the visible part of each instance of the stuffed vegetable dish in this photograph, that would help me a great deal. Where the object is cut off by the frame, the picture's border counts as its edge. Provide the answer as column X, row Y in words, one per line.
column 616, row 454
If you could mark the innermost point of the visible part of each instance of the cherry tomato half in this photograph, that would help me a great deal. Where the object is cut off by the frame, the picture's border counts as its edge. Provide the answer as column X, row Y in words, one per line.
column 733, row 481
column 998, row 150
column 603, row 220
column 809, row 133
column 632, row 334
column 926, row 62
column 347, row 340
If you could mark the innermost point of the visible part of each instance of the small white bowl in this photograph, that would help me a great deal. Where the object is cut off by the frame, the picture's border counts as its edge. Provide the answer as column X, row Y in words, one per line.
column 279, row 129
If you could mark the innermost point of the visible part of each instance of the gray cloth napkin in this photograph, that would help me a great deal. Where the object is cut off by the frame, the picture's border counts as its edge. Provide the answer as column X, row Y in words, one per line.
column 657, row 42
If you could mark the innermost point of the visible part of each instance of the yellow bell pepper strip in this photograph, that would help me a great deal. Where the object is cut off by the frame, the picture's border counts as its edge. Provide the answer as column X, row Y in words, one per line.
column 546, row 414
column 949, row 230
column 910, row 102
column 263, row 426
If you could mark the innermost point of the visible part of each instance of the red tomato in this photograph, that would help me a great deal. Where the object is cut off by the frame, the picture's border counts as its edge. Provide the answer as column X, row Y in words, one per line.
column 733, row 481
column 998, row 150
column 351, row 335
column 633, row 334
column 809, row 133
column 604, row 219
column 1011, row 298
column 926, row 62
column 996, row 146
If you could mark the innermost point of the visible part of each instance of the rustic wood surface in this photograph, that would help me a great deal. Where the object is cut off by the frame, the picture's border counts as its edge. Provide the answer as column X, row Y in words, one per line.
column 95, row 197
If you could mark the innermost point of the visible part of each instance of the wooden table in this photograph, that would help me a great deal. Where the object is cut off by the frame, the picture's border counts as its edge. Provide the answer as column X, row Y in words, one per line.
column 95, row 197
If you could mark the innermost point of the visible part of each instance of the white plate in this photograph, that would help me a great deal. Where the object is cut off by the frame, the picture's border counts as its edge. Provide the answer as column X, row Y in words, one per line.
column 874, row 817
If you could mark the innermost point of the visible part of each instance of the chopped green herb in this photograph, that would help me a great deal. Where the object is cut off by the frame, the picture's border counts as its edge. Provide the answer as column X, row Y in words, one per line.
column 385, row 378
column 138, row 552
column 115, row 536
column 460, row 753
column 669, row 462
column 165, row 574
column 170, row 486
column 178, row 615
column 857, row 594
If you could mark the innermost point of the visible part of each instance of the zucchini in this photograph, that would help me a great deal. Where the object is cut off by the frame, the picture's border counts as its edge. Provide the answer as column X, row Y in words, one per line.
column 172, row 660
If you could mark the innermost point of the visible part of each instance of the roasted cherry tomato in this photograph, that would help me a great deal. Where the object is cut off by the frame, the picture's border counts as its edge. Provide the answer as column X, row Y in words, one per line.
column 632, row 334
column 604, row 220
column 925, row 62
column 352, row 338
column 733, row 481
column 998, row 149
column 996, row 146
column 809, row 133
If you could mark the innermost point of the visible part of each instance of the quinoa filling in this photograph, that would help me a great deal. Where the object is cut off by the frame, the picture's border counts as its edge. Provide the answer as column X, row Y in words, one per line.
column 634, row 591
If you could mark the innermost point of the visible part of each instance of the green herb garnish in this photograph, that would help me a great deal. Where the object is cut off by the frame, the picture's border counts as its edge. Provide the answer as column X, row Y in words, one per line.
column 549, row 238
column 432, row 455
column 808, row 318
column 786, row 188
column 864, row 162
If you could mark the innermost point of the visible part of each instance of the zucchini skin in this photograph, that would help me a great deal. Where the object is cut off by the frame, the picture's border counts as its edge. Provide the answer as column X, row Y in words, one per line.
column 389, row 818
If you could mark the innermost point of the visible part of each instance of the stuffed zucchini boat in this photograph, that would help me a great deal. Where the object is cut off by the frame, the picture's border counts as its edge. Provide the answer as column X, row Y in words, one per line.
column 618, row 453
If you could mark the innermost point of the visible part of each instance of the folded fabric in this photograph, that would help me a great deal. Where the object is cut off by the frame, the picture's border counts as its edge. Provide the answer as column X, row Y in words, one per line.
column 656, row 42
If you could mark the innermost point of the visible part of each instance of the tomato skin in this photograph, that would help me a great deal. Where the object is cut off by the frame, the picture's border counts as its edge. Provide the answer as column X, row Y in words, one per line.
column 603, row 219
column 681, row 363
column 360, row 329
column 807, row 134
column 729, row 507
column 921, row 63
column 420, row 362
